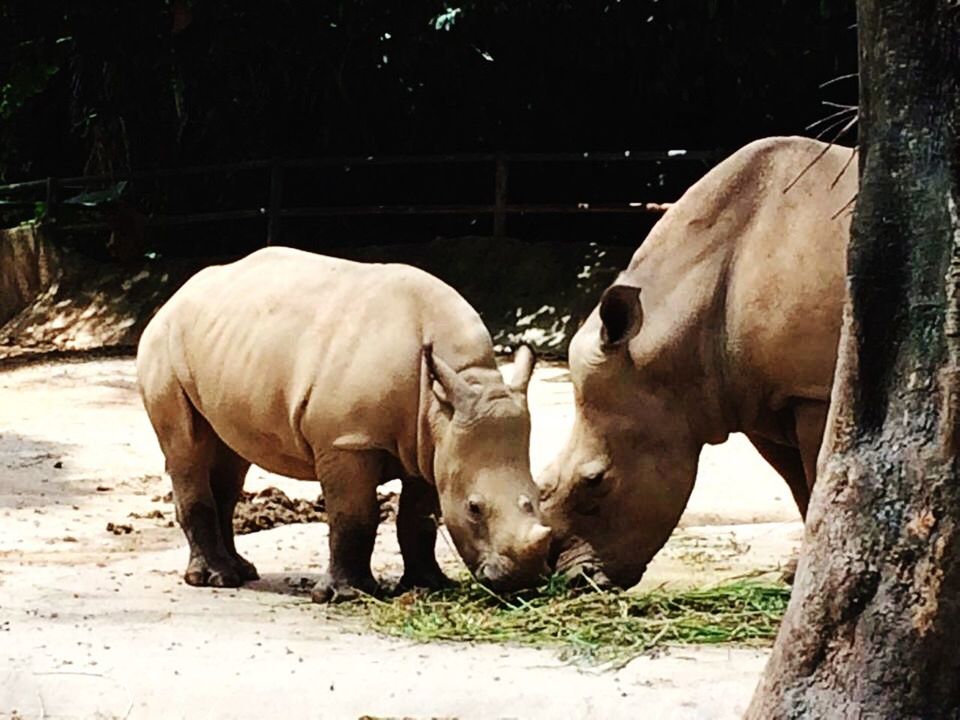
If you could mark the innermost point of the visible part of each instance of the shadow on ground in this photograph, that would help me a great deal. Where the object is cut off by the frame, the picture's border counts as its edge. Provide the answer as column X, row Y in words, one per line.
column 35, row 472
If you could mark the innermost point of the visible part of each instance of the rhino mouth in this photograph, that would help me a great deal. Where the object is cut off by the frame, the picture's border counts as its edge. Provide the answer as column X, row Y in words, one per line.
column 503, row 576
column 576, row 560
column 579, row 564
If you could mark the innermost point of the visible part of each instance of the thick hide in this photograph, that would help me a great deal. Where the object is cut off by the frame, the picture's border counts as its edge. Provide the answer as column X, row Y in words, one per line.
column 351, row 374
column 726, row 320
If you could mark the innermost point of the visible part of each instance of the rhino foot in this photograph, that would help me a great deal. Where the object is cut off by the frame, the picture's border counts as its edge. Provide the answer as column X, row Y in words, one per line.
column 245, row 569
column 330, row 590
column 229, row 574
column 789, row 573
column 199, row 574
column 432, row 579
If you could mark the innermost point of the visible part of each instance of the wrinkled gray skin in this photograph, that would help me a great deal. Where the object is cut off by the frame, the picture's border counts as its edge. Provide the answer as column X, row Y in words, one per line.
column 726, row 320
column 351, row 374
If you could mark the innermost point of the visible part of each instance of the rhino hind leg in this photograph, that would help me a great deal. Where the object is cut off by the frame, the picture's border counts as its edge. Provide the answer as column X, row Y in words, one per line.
column 349, row 480
column 191, row 447
column 210, row 561
column 226, row 481
column 417, row 519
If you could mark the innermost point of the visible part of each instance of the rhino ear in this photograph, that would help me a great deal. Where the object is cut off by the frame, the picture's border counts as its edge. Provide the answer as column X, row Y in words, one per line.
column 449, row 388
column 621, row 314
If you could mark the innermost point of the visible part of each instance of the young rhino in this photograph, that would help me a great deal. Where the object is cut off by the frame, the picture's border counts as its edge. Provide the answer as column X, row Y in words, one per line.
column 351, row 374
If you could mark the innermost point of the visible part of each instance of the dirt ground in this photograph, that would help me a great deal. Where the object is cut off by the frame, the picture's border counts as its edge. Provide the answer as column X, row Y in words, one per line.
column 95, row 622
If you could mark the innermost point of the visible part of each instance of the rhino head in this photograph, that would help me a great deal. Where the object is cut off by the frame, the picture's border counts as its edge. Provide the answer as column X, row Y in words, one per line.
column 618, row 487
column 481, row 467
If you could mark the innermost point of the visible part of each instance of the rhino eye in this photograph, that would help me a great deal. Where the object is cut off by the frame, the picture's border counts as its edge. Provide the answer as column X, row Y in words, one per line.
column 526, row 504
column 594, row 480
column 474, row 508
column 592, row 473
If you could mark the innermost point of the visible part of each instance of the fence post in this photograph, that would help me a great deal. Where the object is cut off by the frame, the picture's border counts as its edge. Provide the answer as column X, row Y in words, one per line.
column 276, row 202
column 48, row 225
column 500, row 197
column 51, row 198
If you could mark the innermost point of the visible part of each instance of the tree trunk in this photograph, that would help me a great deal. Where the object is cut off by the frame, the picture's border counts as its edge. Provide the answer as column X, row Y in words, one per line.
column 873, row 627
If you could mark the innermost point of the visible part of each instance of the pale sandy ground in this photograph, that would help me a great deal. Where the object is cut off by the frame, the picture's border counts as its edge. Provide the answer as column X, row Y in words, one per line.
column 98, row 625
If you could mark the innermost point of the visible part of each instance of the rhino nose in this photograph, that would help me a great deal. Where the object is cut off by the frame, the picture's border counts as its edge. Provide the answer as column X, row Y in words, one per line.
column 516, row 571
column 588, row 576
column 491, row 574
column 487, row 575
column 500, row 580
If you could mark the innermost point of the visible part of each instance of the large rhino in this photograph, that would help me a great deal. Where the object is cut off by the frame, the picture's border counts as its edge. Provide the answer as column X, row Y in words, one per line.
column 726, row 320
column 351, row 374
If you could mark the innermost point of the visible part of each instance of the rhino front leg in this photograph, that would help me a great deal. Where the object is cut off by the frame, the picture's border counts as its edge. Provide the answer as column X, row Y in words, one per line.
column 788, row 461
column 417, row 519
column 349, row 480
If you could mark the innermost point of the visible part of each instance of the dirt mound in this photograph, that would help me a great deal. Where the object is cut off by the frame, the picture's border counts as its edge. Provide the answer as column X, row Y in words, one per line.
column 271, row 507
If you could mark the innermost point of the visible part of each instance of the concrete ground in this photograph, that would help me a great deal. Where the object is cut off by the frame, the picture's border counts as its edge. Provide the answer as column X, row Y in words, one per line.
column 96, row 624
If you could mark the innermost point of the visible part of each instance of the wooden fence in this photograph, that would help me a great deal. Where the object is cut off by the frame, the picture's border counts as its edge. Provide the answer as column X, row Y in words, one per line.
column 54, row 192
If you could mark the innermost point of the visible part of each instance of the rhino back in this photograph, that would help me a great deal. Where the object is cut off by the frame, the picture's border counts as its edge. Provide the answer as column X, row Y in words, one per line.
column 286, row 353
column 742, row 284
column 787, row 280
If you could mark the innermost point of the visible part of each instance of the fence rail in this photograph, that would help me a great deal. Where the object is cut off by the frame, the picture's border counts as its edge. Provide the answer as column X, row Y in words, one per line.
column 274, row 211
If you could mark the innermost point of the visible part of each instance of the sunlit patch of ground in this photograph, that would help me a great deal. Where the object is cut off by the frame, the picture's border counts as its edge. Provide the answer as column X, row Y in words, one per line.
column 98, row 621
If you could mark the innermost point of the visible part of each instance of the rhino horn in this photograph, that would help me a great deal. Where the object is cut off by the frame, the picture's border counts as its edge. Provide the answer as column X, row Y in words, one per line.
column 523, row 360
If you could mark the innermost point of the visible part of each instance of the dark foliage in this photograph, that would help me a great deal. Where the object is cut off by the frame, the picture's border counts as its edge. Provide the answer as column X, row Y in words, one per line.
column 161, row 82
column 103, row 86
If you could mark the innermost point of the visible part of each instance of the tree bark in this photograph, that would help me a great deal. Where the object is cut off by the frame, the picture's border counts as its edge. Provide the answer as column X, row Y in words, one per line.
column 873, row 627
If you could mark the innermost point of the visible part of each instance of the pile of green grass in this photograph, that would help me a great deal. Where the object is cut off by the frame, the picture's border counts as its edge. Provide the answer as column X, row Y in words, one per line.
column 596, row 626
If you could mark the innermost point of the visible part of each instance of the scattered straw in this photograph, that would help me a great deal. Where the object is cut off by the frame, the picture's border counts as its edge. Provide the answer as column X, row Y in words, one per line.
column 596, row 627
